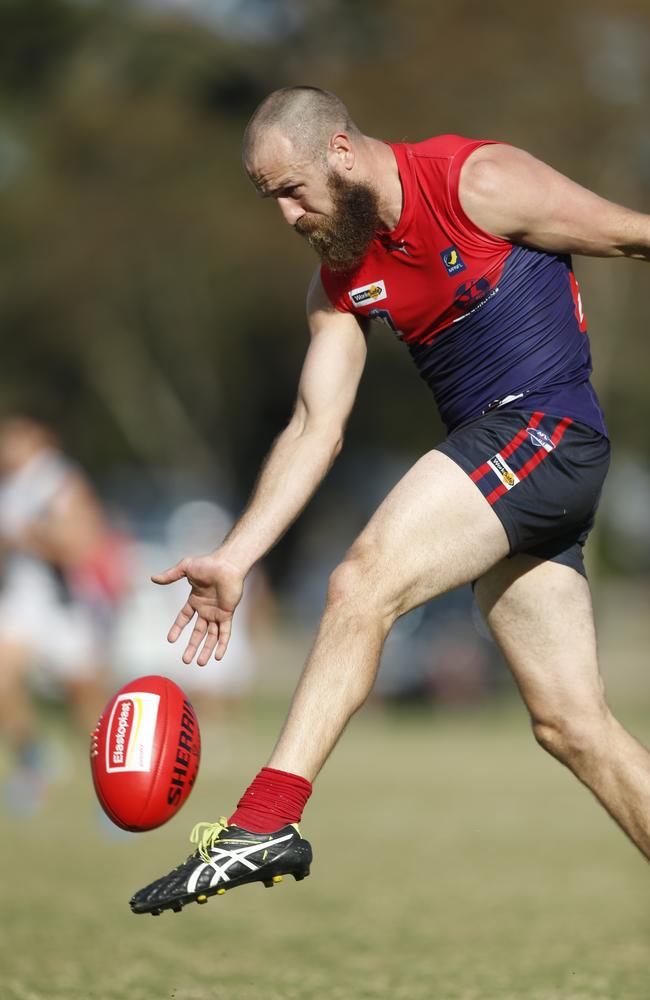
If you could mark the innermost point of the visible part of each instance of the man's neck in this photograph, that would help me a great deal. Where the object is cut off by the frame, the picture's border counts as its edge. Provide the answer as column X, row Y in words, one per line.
column 383, row 174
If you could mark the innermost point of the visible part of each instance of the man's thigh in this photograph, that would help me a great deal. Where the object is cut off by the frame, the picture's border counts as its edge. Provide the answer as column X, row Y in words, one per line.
column 540, row 614
column 433, row 532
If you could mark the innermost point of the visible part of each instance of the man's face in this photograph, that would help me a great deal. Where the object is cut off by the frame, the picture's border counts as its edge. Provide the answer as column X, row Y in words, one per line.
column 337, row 216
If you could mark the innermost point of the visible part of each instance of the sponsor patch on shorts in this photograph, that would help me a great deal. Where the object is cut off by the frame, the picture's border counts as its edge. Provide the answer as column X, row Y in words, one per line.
column 501, row 468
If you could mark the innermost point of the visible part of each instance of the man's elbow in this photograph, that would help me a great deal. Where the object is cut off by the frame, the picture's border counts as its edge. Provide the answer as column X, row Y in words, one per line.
column 329, row 438
column 324, row 434
column 338, row 444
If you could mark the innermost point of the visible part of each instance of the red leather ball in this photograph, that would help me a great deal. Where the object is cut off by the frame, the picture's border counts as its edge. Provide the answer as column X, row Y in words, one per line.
column 145, row 752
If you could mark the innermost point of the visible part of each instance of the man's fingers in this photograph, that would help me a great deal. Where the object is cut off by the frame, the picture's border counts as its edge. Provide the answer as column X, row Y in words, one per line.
column 171, row 575
column 196, row 638
column 224, row 636
column 209, row 644
column 185, row 615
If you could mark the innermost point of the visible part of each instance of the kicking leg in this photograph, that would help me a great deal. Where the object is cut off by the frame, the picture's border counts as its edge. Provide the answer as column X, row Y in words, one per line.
column 432, row 533
column 541, row 616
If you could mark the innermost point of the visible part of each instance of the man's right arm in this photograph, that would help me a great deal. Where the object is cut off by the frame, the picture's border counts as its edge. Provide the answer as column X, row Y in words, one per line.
column 305, row 450
column 297, row 463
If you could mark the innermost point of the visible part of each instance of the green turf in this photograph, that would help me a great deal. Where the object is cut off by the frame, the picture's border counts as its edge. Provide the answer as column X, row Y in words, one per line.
column 454, row 860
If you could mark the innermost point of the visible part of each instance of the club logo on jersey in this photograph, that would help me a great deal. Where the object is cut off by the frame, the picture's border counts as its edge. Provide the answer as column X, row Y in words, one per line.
column 452, row 260
column 366, row 294
column 131, row 730
column 499, row 465
column 383, row 316
column 471, row 294
column 540, row 439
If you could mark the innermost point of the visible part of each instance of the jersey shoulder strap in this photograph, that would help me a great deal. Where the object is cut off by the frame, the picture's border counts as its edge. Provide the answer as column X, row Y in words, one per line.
column 434, row 166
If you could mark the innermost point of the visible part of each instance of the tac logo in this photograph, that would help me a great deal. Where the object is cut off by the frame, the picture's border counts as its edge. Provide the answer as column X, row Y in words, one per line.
column 368, row 294
column 499, row 466
column 540, row 439
column 131, row 730
column 452, row 260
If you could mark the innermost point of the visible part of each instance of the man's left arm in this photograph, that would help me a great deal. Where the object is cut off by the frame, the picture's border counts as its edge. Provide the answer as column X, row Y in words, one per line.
column 510, row 194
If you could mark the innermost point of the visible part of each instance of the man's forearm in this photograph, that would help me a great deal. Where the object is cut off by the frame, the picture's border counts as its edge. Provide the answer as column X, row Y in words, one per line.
column 631, row 234
column 296, row 465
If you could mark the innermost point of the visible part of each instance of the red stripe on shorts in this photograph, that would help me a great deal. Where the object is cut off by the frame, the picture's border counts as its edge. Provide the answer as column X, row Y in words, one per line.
column 533, row 462
column 509, row 449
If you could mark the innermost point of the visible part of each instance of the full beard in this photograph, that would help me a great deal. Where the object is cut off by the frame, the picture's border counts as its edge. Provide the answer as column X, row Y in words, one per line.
column 341, row 240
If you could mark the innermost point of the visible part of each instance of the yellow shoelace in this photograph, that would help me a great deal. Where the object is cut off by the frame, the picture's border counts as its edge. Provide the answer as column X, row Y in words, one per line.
column 205, row 836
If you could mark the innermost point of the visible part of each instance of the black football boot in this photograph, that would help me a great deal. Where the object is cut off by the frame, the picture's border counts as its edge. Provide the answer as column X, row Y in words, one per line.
column 225, row 857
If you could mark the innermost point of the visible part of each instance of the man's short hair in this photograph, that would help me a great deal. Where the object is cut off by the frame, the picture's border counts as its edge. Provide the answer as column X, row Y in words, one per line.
column 308, row 116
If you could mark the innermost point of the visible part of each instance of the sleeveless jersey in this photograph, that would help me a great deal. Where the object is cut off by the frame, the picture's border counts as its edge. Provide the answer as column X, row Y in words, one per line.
column 488, row 323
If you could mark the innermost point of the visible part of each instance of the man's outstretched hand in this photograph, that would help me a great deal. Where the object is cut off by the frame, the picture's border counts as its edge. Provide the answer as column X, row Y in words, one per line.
column 217, row 587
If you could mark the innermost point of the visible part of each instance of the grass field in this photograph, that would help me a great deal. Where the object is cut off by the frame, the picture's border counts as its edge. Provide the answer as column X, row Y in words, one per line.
column 454, row 860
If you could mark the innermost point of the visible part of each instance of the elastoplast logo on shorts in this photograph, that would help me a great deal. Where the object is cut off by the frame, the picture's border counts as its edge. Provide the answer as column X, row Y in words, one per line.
column 499, row 465
column 367, row 294
column 130, row 731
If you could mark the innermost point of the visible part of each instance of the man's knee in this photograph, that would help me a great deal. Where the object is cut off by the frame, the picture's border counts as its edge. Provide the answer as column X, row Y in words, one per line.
column 359, row 587
column 572, row 734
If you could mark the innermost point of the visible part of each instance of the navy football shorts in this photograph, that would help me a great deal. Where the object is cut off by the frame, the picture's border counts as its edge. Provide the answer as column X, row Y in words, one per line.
column 542, row 475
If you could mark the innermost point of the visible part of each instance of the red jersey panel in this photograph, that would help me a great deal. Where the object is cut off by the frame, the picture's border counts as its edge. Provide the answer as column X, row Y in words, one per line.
column 423, row 275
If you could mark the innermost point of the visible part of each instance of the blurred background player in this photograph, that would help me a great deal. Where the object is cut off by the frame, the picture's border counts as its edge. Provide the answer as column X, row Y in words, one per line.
column 62, row 572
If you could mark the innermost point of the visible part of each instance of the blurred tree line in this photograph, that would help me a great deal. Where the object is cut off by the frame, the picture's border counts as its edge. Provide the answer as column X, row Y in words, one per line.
column 151, row 300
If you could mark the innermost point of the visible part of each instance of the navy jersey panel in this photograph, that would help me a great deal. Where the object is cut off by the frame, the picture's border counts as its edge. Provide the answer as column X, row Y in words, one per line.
column 523, row 340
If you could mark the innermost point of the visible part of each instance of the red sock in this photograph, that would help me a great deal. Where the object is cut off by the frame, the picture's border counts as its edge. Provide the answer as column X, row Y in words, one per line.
column 274, row 799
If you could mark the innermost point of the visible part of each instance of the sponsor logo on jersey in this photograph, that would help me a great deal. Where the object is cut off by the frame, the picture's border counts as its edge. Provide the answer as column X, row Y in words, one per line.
column 499, row 465
column 540, row 439
column 365, row 294
column 131, row 730
column 452, row 260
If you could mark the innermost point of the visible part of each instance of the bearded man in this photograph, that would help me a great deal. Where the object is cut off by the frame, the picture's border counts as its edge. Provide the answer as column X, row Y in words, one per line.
column 462, row 248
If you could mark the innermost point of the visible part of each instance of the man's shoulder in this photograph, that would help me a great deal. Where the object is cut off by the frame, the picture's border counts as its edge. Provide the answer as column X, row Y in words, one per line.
column 443, row 146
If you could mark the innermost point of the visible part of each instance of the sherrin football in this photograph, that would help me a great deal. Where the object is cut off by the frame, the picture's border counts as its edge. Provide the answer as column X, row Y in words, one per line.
column 144, row 753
